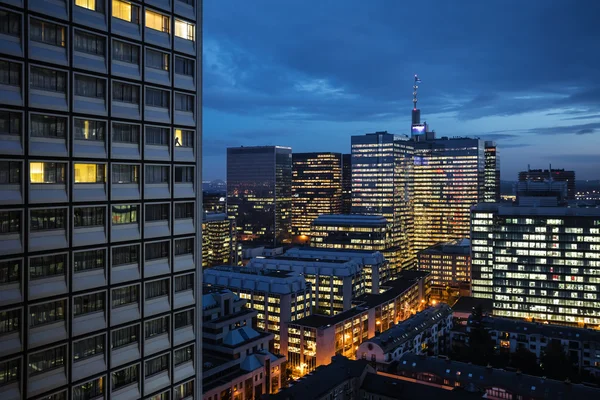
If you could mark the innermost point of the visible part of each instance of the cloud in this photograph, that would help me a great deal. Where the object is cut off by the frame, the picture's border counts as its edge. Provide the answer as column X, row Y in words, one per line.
column 580, row 129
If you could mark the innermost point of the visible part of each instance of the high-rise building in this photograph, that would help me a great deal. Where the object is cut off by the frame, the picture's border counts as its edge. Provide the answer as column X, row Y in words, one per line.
column 100, row 165
column 382, row 168
column 214, row 202
column 259, row 192
column 449, row 264
column 492, row 173
column 316, row 188
column 219, row 241
column 552, row 174
column 351, row 232
column 346, row 183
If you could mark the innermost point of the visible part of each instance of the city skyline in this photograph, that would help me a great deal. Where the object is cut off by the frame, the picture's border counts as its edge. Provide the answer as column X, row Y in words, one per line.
column 495, row 74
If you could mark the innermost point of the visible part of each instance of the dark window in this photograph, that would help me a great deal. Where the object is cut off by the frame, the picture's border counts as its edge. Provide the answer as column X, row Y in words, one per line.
column 125, row 377
column 89, row 216
column 89, row 260
column 126, row 133
column 157, row 174
column 157, row 212
column 47, row 266
column 126, row 93
column 157, row 59
column 10, row 73
column 88, row 347
column 184, row 210
column 156, row 327
column 183, row 319
column 57, row 396
column 157, row 289
column 184, row 282
column 184, row 102
column 10, row 371
column 157, row 365
column 47, row 360
column 184, row 138
column 182, row 355
column 190, row 2
column 10, row 172
column 157, row 250
column 47, row 32
column 10, row 222
column 48, row 79
column 184, row 246
column 10, row 321
column 125, row 255
column 89, row 390
column 184, row 174
column 89, row 43
column 47, row 313
column 47, row 219
column 184, row 66
column 125, row 214
column 88, row 86
column 90, row 129
column 125, row 295
column 157, row 98
column 48, row 126
column 125, row 173
column 89, row 303
column 126, row 52
column 10, row 123
column 157, row 136
column 10, row 272
column 125, row 336
column 10, row 23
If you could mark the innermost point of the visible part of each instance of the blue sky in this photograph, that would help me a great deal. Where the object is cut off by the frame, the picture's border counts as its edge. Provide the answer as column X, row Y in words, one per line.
column 310, row 74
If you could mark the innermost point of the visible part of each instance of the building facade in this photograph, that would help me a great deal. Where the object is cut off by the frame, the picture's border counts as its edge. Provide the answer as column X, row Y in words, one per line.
column 219, row 241
column 492, row 173
column 316, row 188
column 100, row 154
column 449, row 264
column 214, row 202
column 552, row 174
column 259, row 192
column 346, row 183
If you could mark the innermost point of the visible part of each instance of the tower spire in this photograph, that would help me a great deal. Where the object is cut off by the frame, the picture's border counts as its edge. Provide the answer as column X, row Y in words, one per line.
column 416, row 113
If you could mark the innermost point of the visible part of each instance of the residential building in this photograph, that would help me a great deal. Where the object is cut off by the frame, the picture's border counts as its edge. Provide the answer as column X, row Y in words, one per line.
column 237, row 362
column 316, row 189
column 219, row 241
column 491, row 181
column 552, row 174
column 346, row 183
column 449, row 264
column 100, row 206
column 259, row 192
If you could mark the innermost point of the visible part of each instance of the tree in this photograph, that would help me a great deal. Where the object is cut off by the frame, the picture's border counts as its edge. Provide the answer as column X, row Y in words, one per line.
column 556, row 364
column 526, row 361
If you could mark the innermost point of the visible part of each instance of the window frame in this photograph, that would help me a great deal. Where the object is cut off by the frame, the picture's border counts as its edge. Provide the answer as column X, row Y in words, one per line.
column 155, row 131
column 112, row 340
column 166, row 324
column 19, row 68
column 185, row 175
column 96, row 182
column 164, row 212
column 95, row 394
column 160, row 251
column 165, row 21
column 124, row 96
column 186, row 213
column 95, row 9
column 58, row 71
column 151, row 91
column 14, row 172
column 89, row 259
column 190, row 28
column 187, row 310
column 8, row 321
column 10, row 122
column 65, row 311
column 175, row 247
column 113, row 131
column 165, row 59
column 81, row 358
column 135, row 8
column 164, row 289
column 45, row 266
column 120, row 174
column 95, row 213
column 65, row 219
column 128, row 257
column 185, row 66
column 127, row 295
column 153, row 174
column 128, row 382
column 126, row 60
column 8, row 278
column 165, row 366
column 96, row 125
column 100, row 87
column 55, row 164
column 97, row 295
column 14, row 228
column 65, row 359
column 14, row 15
column 53, row 25
column 185, row 141
column 131, row 212
column 56, row 120
column 190, row 102
column 93, row 36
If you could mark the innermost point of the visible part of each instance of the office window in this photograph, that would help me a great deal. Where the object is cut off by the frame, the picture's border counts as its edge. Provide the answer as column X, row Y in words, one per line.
column 157, row 289
column 10, row 73
column 184, row 102
column 10, row 222
column 184, row 138
column 184, row 246
column 157, row 212
column 125, row 255
column 47, row 313
column 10, row 272
column 184, row 390
column 126, row 93
column 94, row 5
column 48, row 219
column 184, row 282
column 10, row 321
column 156, row 250
column 125, row 377
column 163, row 396
column 88, row 347
column 157, row 21
column 47, row 172
column 47, row 32
column 10, row 371
column 56, row 396
column 125, row 214
column 157, row 174
column 184, row 318
column 88, row 86
column 10, row 123
column 10, row 23
column 10, row 172
column 157, row 59
column 48, row 126
column 157, row 136
column 184, row 30
column 89, row 390
column 125, row 133
column 184, row 66
column 126, row 11
column 156, row 327
column 182, row 355
column 86, row 129
column 47, row 266
column 125, row 295
column 89, row 43
column 125, row 173
column 89, row 216
column 157, row 98
column 89, row 303
column 184, row 210
column 89, row 260
column 48, row 79
column 125, row 336
column 126, row 52
column 47, row 360
column 184, row 174
column 89, row 173
column 157, row 365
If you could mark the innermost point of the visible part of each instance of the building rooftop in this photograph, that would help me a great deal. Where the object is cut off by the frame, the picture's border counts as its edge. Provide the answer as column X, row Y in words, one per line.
column 466, row 304
column 212, row 216
column 307, row 265
column 324, row 321
column 272, row 281
column 351, row 220
column 393, row 388
column 565, row 211
column 537, row 328
column 391, row 289
column 457, row 246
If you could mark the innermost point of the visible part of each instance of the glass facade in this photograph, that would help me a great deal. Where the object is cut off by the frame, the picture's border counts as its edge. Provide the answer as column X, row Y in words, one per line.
column 219, row 242
column 492, row 173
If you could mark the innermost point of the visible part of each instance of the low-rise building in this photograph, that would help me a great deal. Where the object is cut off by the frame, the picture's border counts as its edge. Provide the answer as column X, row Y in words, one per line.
column 465, row 305
column 449, row 264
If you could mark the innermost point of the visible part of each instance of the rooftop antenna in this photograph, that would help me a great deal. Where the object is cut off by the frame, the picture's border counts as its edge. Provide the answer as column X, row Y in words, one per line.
column 415, row 89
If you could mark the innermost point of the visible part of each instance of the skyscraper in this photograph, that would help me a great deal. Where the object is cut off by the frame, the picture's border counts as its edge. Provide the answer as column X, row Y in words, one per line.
column 316, row 188
column 100, row 159
column 259, row 191
column 219, row 241
column 346, row 183
column 558, row 175
column 492, row 173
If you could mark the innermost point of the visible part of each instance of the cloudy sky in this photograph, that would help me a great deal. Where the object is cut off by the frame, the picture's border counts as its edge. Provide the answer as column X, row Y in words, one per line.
column 309, row 74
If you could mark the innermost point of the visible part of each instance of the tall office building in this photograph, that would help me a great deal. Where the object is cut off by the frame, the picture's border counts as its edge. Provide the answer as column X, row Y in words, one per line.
column 346, row 183
column 316, row 188
column 382, row 168
column 492, row 173
column 552, row 174
column 100, row 165
column 219, row 241
column 259, row 192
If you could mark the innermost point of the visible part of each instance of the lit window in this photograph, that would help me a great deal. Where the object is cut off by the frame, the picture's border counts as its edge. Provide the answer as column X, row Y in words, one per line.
column 126, row 11
column 89, row 130
column 184, row 138
column 94, row 5
column 184, row 30
column 43, row 172
column 90, row 173
column 157, row 21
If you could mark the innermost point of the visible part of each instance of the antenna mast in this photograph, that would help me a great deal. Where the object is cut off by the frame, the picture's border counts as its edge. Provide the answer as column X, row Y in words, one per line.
column 416, row 113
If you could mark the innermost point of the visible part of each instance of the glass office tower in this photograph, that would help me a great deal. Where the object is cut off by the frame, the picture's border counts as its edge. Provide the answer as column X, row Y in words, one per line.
column 100, row 213
column 492, row 173
column 346, row 183
column 259, row 192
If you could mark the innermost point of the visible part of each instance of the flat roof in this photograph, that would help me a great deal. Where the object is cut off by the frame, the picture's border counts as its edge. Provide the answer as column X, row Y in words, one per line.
column 350, row 220
column 457, row 246
column 320, row 320
column 466, row 304
column 537, row 328
column 553, row 211
column 395, row 287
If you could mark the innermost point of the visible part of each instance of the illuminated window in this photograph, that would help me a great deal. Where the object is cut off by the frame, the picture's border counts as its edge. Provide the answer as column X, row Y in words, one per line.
column 125, row 214
column 184, row 138
column 184, row 30
column 157, row 21
column 126, row 11
column 94, row 5
column 89, row 129
column 90, row 173
column 45, row 172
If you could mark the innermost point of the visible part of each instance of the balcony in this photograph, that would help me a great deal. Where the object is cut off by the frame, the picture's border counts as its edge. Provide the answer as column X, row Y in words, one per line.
column 155, row 267
column 83, row 192
column 89, row 148
column 129, row 392
column 90, row 322
column 124, row 232
column 184, row 190
column 125, row 110
column 90, row 18
column 49, row 53
column 48, row 147
column 12, row 95
column 126, row 151
column 11, row 45
column 11, row 343
column 183, row 226
column 157, row 190
column 155, row 152
column 127, row 29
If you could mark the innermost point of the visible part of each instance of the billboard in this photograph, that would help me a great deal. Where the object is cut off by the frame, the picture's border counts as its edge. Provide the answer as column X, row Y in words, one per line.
column 418, row 129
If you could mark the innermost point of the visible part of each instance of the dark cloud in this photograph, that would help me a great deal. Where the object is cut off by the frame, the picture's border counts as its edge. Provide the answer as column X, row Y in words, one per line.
column 581, row 129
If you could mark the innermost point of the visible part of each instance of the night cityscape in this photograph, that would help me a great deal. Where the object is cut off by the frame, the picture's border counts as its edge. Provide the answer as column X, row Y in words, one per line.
column 232, row 200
